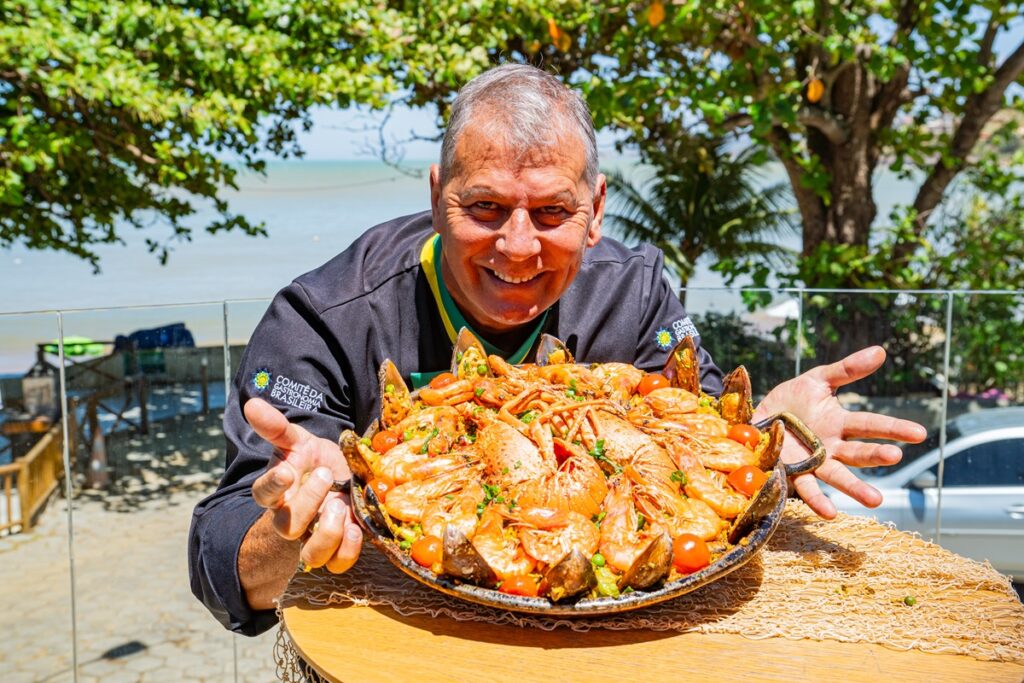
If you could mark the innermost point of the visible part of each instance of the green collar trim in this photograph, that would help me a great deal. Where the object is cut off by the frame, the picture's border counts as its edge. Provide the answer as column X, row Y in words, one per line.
column 454, row 320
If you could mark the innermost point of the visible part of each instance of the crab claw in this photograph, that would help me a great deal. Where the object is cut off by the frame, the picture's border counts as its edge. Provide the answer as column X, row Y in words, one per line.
column 395, row 401
column 650, row 566
column 552, row 351
column 735, row 403
column 683, row 368
column 572, row 575
column 460, row 559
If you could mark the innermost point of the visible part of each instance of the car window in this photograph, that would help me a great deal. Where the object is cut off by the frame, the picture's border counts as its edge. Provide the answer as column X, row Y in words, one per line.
column 995, row 463
column 913, row 451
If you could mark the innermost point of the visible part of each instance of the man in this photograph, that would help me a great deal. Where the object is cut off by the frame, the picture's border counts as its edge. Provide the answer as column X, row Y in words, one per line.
column 511, row 248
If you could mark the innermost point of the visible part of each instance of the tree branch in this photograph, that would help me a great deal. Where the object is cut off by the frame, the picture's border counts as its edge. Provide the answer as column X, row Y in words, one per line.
column 812, row 117
column 985, row 46
column 979, row 109
column 812, row 211
column 828, row 125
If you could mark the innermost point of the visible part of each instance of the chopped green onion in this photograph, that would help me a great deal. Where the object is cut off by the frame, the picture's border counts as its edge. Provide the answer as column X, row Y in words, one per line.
column 518, row 464
column 640, row 521
column 504, row 470
column 405, row 545
column 407, row 435
column 481, row 369
column 597, row 560
column 527, row 417
column 479, row 391
column 426, row 444
column 679, row 477
column 910, row 601
column 365, row 441
column 389, row 389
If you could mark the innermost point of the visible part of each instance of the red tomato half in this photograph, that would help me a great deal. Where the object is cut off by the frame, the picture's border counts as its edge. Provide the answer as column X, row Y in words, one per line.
column 747, row 479
column 520, row 584
column 442, row 380
column 426, row 551
column 652, row 381
column 384, row 441
column 690, row 553
column 745, row 434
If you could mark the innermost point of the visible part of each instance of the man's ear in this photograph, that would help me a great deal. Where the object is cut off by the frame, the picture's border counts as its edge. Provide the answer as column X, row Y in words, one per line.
column 436, row 210
column 600, row 195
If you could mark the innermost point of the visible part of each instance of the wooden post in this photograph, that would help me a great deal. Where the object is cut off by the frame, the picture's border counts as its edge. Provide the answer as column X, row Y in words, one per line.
column 143, row 408
column 96, row 474
column 204, row 373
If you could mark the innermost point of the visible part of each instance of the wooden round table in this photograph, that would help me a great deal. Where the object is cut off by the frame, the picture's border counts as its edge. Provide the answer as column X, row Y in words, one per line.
column 354, row 644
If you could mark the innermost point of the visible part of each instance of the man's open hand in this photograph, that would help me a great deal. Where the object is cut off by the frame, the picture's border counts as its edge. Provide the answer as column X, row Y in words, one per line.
column 812, row 398
column 297, row 488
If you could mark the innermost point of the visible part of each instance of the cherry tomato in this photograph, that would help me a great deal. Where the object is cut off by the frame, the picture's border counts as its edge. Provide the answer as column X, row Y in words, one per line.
column 381, row 486
column 745, row 434
column 384, row 441
column 426, row 551
column 520, row 584
column 652, row 381
column 690, row 553
column 442, row 380
column 747, row 479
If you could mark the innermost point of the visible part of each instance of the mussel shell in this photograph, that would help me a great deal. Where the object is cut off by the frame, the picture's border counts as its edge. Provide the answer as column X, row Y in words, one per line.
column 683, row 366
column 770, row 498
column 462, row 561
column 735, row 402
column 651, row 566
column 356, row 462
column 466, row 340
column 572, row 575
column 549, row 345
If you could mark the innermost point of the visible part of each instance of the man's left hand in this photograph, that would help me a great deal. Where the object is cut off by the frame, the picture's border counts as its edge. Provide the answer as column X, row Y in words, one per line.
column 812, row 398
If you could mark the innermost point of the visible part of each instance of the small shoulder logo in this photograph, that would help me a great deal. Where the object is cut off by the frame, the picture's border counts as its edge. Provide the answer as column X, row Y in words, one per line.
column 261, row 380
column 663, row 338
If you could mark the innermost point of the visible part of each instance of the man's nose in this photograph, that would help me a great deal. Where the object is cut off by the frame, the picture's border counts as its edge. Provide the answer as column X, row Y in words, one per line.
column 518, row 240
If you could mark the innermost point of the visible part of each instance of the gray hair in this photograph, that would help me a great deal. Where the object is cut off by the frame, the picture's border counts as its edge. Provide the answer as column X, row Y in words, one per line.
column 525, row 104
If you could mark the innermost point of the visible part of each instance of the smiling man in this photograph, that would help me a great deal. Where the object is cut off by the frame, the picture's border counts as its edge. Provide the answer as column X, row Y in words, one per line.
column 511, row 248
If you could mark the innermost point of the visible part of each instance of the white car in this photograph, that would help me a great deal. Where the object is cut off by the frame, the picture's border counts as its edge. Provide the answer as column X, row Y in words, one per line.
column 979, row 511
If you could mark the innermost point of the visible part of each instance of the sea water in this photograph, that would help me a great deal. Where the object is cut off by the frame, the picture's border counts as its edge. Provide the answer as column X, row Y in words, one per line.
column 311, row 210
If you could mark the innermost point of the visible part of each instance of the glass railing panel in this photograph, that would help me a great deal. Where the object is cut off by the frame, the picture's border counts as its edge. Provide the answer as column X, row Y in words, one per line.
column 255, row 661
column 755, row 328
column 983, row 470
column 911, row 327
column 35, row 569
column 146, row 408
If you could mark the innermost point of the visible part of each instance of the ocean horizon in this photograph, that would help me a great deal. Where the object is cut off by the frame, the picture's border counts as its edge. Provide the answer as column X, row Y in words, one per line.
column 312, row 210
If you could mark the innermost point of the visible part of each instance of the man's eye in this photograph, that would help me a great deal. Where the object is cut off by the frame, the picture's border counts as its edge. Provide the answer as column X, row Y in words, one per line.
column 486, row 206
column 552, row 210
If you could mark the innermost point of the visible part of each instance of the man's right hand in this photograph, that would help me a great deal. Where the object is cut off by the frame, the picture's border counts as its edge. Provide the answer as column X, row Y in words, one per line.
column 296, row 488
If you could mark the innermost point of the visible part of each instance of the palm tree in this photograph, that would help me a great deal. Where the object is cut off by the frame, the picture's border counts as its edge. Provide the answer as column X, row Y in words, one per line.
column 703, row 200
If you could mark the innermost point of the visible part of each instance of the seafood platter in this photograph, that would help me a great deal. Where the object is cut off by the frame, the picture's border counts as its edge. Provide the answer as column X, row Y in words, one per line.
column 563, row 488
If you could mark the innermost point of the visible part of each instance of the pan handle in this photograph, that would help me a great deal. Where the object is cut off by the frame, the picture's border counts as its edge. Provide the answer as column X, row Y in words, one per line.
column 805, row 436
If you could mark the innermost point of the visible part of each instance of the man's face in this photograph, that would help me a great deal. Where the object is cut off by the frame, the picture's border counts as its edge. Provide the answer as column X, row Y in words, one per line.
column 513, row 227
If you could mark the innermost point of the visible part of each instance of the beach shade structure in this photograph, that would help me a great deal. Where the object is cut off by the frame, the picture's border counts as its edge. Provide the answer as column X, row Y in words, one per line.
column 175, row 335
column 75, row 346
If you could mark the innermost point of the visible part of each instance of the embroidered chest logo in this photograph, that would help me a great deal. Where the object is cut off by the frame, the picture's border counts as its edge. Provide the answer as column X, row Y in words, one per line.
column 287, row 391
column 663, row 338
column 261, row 380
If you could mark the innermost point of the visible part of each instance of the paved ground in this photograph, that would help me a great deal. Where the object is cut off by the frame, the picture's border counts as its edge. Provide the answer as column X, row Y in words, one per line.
column 136, row 618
